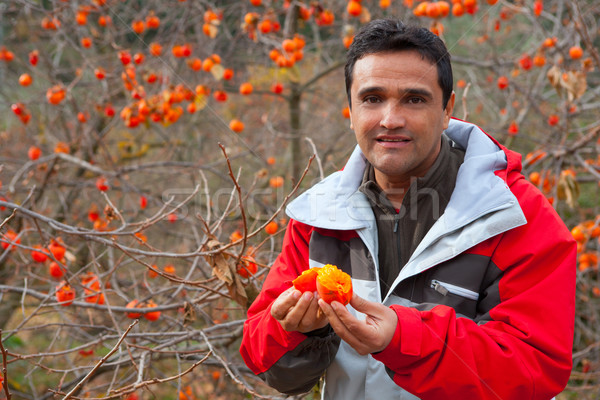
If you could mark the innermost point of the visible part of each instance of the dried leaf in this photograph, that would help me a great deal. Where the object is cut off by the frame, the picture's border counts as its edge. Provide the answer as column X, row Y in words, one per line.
column 575, row 83
column 219, row 262
column 568, row 189
column 224, row 268
column 212, row 30
column 217, row 71
column 365, row 15
column 189, row 314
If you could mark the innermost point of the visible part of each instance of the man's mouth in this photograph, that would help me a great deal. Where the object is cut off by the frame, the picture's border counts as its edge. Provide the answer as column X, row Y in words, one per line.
column 387, row 139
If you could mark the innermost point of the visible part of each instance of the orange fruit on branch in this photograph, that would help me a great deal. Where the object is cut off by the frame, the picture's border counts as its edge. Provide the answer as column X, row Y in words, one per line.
column 65, row 294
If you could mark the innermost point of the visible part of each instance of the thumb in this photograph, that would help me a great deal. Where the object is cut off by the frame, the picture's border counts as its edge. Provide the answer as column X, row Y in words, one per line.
column 363, row 305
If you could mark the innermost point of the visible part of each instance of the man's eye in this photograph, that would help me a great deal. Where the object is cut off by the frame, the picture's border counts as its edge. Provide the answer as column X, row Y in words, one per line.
column 416, row 100
column 371, row 99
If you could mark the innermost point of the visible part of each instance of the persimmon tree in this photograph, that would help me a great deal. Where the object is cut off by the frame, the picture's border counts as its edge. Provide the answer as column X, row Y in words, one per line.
column 149, row 148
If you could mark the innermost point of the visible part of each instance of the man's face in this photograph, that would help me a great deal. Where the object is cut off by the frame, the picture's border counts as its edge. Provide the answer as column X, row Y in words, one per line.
column 397, row 114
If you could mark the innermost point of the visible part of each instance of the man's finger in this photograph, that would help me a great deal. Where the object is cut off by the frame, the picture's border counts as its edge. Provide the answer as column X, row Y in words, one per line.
column 282, row 305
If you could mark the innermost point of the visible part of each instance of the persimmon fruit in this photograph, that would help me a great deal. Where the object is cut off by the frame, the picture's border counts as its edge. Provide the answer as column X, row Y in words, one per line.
column 333, row 284
column 307, row 280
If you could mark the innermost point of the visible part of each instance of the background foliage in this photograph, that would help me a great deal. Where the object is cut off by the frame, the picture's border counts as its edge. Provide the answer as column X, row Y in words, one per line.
column 148, row 149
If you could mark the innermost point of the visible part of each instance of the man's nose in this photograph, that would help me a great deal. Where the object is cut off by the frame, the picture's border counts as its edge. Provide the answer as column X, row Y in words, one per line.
column 393, row 117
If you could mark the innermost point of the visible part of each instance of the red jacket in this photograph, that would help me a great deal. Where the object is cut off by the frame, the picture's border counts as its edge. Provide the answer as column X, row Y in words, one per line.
column 485, row 305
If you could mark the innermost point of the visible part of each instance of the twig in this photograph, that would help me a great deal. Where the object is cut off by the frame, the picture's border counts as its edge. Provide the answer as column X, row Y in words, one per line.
column 99, row 363
column 4, row 368
column 464, row 102
column 314, row 148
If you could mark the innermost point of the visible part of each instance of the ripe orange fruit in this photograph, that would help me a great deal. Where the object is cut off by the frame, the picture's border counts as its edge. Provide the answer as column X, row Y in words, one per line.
column 578, row 234
column 55, row 270
column 208, row 64
column 444, row 8
column 421, row 9
column 513, row 128
column 575, row 52
column 169, row 269
column 246, row 267
column 100, row 73
column 333, row 284
column 65, row 294
column 271, row 228
column 502, row 82
column 104, row 20
column 220, row 96
column 246, row 88
column 538, row 7
column 236, row 125
column 288, row 45
column 102, row 184
column 458, row 10
column 276, row 181
column 346, row 112
column 535, row 178
column 40, row 255
column 34, row 57
column 553, row 119
column 138, row 26
column 151, row 273
column 86, row 42
column 432, row 10
column 277, row 88
column 81, row 17
column 138, row 58
column 25, row 79
column 152, row 22
column 152, row 315
column 133, row 304
column 539, row 60
column 155, row 49
column 55, row 94
column 354, row 8
column 10, row 238
column 307, row 280
column 34, row 153
column 526, row 62
column 57, row 249
column 228, row 74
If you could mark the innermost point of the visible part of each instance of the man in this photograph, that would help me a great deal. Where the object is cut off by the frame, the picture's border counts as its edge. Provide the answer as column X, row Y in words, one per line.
column 463, row 274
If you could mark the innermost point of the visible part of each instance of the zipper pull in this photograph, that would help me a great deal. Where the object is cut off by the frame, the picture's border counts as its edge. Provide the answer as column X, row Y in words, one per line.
column 396, row 222
column 438, row 287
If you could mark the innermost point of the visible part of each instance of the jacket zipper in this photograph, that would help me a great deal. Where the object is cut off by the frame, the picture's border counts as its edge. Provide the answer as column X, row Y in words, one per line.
column 445, row 288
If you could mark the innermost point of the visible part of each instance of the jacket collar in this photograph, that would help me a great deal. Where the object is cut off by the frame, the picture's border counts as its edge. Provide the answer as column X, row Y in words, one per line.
column 335, row 203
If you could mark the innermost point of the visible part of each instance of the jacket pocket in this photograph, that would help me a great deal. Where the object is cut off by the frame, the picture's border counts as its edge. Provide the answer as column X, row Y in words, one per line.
column 444, row 288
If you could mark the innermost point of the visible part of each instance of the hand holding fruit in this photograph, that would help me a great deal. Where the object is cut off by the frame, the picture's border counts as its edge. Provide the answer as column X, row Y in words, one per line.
column 297, row 311
column 330, row 282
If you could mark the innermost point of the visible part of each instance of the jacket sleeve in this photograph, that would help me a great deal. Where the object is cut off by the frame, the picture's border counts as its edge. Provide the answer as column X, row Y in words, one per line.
column 523, row 350
column 291, row 362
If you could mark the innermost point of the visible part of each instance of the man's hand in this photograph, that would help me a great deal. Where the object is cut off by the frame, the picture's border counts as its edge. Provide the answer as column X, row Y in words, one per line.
column 368, row 336
column 298, row 311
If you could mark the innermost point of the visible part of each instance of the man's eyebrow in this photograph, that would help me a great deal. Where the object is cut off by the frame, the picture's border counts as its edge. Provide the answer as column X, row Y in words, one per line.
column 370, row 89
column 404, row 92
column 417, row 91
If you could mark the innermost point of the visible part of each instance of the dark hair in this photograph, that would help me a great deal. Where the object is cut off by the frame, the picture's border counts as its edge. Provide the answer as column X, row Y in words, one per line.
column 387, row 35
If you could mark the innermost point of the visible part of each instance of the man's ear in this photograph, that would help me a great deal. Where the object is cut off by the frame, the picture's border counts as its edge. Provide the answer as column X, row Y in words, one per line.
column 350, row 112
column 448, row 110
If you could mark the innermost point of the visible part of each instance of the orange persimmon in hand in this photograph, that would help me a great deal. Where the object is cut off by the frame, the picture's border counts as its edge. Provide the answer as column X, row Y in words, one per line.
column 334, row 284
column 307, row 280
